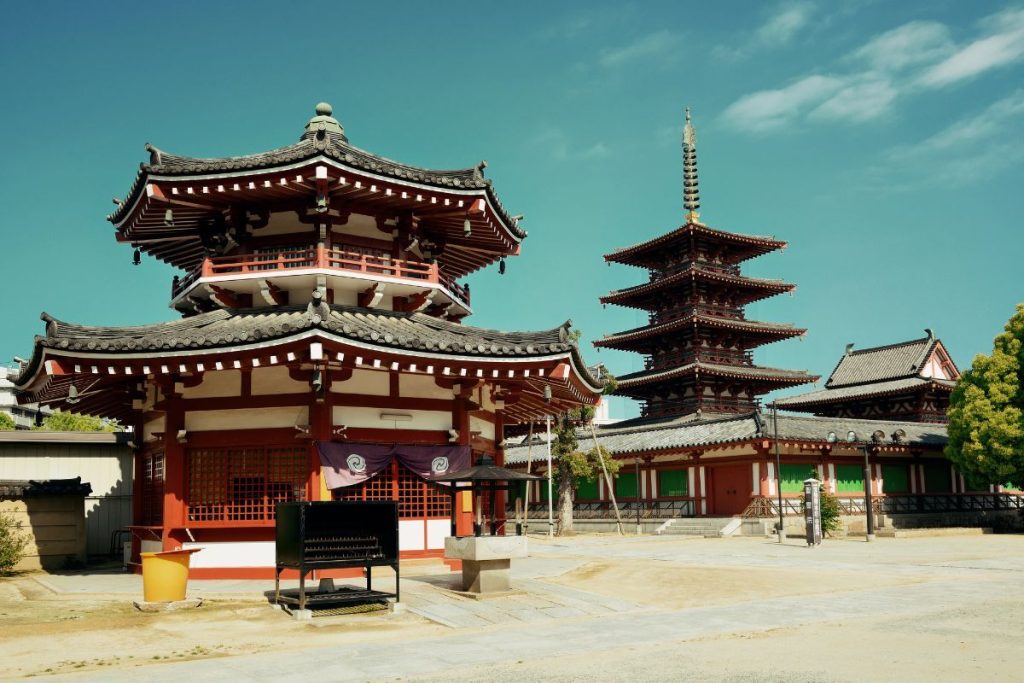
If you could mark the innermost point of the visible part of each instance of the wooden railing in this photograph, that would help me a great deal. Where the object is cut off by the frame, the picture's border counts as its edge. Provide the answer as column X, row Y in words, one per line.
column 890, row 503
column 320, row 257
column 649, row 509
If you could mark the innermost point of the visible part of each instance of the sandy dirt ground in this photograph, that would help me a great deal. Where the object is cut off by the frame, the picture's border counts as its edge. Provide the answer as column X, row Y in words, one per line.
column 44, row 635
column 731, row 610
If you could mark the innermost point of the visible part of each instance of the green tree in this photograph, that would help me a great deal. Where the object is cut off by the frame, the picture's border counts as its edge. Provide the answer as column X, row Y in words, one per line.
column 12, row 543
column 7, row 423
column 571, row 463
column 59, row 421
column 986, row 411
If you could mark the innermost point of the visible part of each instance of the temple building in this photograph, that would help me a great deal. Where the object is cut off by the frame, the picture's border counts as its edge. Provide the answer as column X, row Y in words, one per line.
column 907, row 381
column 704, row 446
column 698, row 344
column 320, row 352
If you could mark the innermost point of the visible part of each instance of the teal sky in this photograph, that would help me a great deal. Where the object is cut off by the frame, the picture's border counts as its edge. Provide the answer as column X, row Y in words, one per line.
column 883, row 140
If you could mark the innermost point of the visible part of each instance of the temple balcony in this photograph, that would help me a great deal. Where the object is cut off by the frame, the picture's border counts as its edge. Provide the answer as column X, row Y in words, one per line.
column 290, row 275
column 710, row 355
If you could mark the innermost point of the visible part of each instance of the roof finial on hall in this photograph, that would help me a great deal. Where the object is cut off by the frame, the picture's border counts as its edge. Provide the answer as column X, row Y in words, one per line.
column 691, row 193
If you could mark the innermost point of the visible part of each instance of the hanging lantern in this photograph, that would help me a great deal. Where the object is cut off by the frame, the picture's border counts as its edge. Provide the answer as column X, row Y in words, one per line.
column 169, row 217
column 73, row 395
column 137, row 258
column 467, row 227
column 501, row 267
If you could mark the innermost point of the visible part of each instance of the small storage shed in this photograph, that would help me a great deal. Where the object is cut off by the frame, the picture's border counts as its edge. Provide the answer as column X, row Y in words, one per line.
column 52, row 514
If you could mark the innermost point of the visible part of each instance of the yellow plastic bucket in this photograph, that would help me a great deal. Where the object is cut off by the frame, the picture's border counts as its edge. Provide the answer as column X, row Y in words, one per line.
column 165, row 575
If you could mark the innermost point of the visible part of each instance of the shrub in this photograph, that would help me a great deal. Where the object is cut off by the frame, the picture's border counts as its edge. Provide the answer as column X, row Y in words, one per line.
column 12, row 543
column 7, row 423
column 830, row 512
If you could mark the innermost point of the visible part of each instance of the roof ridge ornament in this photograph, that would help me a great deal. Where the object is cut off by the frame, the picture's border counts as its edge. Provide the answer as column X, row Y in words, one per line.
column 691, row 192
column 323, row 125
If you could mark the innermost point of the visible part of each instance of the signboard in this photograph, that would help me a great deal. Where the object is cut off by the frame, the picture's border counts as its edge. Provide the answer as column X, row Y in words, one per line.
column 812, row 510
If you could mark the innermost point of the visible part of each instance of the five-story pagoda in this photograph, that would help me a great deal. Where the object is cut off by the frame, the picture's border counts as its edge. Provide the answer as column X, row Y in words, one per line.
column 698, row 344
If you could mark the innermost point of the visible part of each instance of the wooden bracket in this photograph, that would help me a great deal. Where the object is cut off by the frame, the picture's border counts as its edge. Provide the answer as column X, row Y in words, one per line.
column 272, row 294
column 370, row 298
column 225, row 297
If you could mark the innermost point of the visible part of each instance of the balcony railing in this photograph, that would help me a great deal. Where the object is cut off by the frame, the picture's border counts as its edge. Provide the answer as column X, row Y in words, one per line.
column 894, row 503
column 324, row 258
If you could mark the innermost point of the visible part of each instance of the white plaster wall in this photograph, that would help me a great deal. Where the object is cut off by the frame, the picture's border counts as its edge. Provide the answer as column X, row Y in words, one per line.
column 421, row 386
column 369, row 382
column 485, row 428
column 216, row 384
column 275, row 380
column 157, row 425
column 232, row 554
column 251, row 418
column 437, row 531
column 410, row 535
column 370, row 417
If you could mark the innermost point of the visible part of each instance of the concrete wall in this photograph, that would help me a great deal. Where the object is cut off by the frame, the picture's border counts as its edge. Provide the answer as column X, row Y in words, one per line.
column 103, row 461
column 55, row 525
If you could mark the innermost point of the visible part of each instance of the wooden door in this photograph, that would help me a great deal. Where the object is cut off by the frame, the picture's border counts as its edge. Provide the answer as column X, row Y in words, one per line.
column 731, row 486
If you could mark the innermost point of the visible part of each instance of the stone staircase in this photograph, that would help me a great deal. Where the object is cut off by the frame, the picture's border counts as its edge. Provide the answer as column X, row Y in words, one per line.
column 708, row 527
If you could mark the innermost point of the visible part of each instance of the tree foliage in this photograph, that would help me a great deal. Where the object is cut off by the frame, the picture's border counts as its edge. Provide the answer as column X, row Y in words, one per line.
column 7, row 423
column 12, row 543
column 572, row 464
column 986, row 411
column 59, row 421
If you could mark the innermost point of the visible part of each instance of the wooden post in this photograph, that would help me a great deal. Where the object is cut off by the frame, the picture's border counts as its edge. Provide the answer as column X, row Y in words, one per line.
column 174, row 470
column 607, row 480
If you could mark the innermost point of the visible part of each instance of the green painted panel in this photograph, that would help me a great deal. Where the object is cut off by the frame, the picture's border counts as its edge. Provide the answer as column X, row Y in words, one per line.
column 849, row 479
column 794, row 474
column 673, row 483
column 544, row 490
column 936, row 477
column 625, row 485
column 586, row 489
column 895, row 479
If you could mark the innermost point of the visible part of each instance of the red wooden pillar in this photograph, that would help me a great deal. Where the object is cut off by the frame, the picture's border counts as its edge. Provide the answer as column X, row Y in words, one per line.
column 500, row 498
column 175, row 492
column 320, row 426
column 460, row 421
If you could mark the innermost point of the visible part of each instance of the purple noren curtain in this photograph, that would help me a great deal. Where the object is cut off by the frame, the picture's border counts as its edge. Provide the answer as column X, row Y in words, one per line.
column 348, row 464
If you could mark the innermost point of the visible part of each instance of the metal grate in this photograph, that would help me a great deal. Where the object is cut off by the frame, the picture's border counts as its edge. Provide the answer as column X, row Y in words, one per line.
column 417, row 499
column 244, row 484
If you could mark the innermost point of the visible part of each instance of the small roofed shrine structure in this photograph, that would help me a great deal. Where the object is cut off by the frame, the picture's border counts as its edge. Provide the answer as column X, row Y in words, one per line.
column 909, row 381
column 698, row 344
column 320, row 354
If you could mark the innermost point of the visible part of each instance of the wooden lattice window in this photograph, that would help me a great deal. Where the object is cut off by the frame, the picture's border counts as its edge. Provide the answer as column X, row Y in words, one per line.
column 417, row 498
column 152, row 488
column 244, row 484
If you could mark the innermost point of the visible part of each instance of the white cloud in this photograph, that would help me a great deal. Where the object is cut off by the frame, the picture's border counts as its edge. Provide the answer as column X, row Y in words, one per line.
column 771, row 109
column 780, row 28
column 971, row 150
column 783, row 26
column 911, row 44
column 656, row 44
column 1004, row 45
column 984, row 127
column 858, row 102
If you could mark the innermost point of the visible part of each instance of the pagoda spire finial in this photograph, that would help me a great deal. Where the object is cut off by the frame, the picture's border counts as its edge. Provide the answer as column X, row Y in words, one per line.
column 691, row 192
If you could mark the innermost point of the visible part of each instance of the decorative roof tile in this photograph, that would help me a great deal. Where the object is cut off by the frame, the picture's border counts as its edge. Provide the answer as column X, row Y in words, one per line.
column 863, row 391
column 649, row 435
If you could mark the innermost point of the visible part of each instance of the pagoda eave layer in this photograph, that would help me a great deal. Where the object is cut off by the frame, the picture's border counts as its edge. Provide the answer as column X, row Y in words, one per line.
column 644, row 253
column 640, row 338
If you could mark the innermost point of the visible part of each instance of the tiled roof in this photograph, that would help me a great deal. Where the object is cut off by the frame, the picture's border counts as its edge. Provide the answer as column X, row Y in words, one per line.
column 752, row 327
column 666, row 434
column 18, row 488
column 242, row 327
column 693, row 273
column 751, row 371
column 859, row 391
column 882, row 363
column 761, row 245
column 331, row 146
